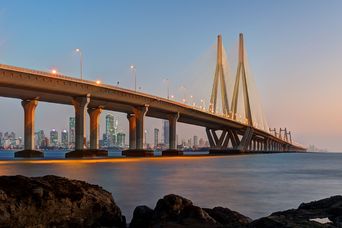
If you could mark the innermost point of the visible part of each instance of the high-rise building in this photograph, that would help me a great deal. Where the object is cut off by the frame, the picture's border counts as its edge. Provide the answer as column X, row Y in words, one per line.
column 201, row 142
column 121, row 139
column 195, row 141
column 156, row 137
column 40, row 139
column 110, row 130
column 166, row 132
column 53, row 137
column 64, row 139
column 72, row 131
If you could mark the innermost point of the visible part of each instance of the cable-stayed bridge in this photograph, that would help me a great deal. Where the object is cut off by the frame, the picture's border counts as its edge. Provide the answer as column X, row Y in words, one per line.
column 228, row 130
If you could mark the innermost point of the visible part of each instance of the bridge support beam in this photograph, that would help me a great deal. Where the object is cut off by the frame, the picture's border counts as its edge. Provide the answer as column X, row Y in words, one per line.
column 94, row 114
column 132, row 131
column 94, row 151
column 136, row 125
column 29, row 119
column 80, row 105
column 172, row 151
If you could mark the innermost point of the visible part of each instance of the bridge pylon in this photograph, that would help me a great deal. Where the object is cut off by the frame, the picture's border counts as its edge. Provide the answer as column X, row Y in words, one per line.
column 241, row 75
column 219, row 78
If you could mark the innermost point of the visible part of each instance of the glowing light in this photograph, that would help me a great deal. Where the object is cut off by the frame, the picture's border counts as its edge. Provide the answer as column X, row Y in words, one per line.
column 98, row 82
column 77, row 50
column 54, row 71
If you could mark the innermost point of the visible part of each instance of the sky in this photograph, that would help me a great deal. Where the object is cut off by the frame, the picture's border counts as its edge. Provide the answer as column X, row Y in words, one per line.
column 294, row 50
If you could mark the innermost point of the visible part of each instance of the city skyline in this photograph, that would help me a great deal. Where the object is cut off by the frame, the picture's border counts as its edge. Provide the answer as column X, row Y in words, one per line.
column 290, row 87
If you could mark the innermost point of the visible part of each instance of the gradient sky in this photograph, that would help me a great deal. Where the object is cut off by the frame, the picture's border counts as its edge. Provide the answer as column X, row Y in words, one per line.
column 294, row 49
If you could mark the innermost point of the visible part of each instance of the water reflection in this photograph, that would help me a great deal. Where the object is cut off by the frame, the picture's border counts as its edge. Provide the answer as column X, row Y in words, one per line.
column 255, row 185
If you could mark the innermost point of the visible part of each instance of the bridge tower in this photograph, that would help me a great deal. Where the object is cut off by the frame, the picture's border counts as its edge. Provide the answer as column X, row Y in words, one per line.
column 241, row 75
column 219, row 78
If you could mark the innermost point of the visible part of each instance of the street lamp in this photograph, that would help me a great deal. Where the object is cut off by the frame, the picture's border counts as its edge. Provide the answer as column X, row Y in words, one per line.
column 134, row 74
column 79, row 51
column 203, row 103
column 53, row 71
column 168, row 87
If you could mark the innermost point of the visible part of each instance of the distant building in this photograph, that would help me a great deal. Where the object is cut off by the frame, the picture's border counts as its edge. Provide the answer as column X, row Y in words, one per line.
column 72, row 131
column 156, row 137
column 121, row 139
column 64, row 139
column 41, row 139
column 201, row 142
column 195, row 141
column 111, row 131
column 53, row 138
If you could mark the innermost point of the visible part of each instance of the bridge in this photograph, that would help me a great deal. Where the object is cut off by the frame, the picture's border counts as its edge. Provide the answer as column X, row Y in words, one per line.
column 226, row 132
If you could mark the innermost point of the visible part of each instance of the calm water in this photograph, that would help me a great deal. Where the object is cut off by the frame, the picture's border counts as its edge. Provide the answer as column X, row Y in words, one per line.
column 254, row 185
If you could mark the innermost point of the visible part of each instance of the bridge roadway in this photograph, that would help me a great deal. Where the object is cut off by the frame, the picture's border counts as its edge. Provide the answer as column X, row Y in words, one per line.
column 32, row 86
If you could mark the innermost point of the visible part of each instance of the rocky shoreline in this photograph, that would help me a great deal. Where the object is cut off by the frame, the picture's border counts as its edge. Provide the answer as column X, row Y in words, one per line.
column 53, row 201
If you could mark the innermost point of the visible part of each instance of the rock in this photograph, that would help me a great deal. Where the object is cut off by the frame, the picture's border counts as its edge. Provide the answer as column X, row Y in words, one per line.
column 327, row 209
column 52, row 201
column 176, row 211
column 227, row 217
column 142, row 217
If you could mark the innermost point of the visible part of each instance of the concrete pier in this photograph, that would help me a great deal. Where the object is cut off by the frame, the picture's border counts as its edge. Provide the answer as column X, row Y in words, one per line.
column 172, row 151
column 94, row 115
column 29, row 119
column 132, row 131
column 136, row 134
column 80, row 105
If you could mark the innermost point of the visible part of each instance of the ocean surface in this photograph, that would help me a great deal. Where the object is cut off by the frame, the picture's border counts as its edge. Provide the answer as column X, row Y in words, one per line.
column 254, row 185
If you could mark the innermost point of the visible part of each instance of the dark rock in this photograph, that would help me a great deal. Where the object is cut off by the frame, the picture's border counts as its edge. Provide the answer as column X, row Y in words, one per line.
column 142, row 217
column 227, row 217
column 52, row 201
column 329, row 208
column 176, row 211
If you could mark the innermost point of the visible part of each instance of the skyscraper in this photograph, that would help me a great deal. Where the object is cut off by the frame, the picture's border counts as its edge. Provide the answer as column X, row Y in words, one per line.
column 166, row 132
column 109, row 130
column 40, row 137
column 53, row 137
column 121, row 138
column 64, row 139
column 195, row 141
column 72, row 131
column 156, row 137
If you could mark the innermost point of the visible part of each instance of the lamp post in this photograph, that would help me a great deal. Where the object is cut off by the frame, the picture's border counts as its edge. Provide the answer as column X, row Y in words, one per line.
column 133, row 70
column 167, row 87
column 203, row 103
column 81, row 61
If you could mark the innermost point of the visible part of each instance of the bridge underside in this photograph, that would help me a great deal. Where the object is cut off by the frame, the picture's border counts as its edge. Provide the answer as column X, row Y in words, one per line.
column 85, row 96
column 232, row 140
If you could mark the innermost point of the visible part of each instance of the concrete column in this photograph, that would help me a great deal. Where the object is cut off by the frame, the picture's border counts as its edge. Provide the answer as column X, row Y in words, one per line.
column 140, row 113
column 132, row 130
column 29, row 111
column 94, row 114
column 172, row 130
column 80, row 105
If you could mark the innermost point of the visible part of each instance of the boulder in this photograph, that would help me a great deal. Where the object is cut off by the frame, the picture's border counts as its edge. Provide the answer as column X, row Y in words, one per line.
column 228, row 218
column 52, row 201
column 142, row 217
column 322, row 213
column 176, row 211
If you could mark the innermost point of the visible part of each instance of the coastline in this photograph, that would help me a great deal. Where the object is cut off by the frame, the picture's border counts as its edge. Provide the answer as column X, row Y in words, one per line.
column 58, row 201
